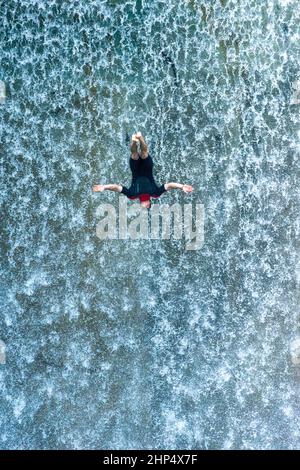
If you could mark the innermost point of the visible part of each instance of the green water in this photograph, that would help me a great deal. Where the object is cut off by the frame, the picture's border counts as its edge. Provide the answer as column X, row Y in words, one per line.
column 143, row 344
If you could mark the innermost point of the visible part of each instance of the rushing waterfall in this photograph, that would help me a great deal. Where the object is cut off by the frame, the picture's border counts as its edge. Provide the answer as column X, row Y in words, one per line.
column 127, row 344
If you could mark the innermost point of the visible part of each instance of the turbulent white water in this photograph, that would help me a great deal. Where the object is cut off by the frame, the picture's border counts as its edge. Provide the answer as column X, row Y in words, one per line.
column 142, row 344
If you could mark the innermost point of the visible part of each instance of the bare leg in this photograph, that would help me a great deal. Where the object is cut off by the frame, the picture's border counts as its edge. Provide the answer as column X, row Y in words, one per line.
column 134, row 147
column 144, row 146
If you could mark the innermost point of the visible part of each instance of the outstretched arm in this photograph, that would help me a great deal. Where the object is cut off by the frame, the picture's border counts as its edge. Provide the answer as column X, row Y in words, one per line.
column 184, row 187
column 111, row 187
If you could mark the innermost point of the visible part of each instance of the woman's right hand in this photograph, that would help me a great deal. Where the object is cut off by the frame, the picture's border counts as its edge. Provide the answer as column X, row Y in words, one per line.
column 187, row 188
